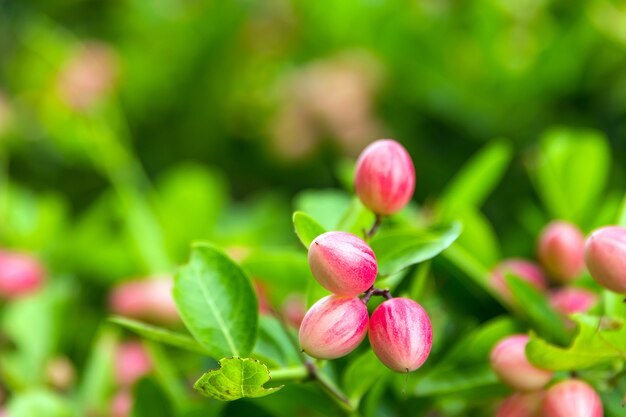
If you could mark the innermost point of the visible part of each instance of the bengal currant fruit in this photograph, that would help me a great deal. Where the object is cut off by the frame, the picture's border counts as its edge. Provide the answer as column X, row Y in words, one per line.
column 605, row 256
column 521, row 268
column 509, row 362
column 385, row 177
column 132, row 361
column 20, row 273
column 333, row 327
column 400, row 334
column 572, row 398
column 521, row 404
column 146, row 299
column 342, row 263
column 561, row 250
column 572, row 300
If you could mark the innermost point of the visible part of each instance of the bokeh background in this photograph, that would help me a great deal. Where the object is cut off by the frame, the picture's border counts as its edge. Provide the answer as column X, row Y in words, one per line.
column 129, row 128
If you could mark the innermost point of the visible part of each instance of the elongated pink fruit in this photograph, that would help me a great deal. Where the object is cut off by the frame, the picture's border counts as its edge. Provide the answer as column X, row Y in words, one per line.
column 20, row 273
column 145, row 299
column 561, row 250
column 573, row 300
column 131, row 363
column 342, row 263
column 385, row 177
column 605, row 256
column 333, row 327
column 572, row 398
column 401, row 334
column 521, row 268
column 521, row 404
column 509, row 362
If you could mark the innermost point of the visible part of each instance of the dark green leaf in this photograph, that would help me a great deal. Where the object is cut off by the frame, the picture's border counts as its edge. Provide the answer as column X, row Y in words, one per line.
column 150, row 400
column 307, row 228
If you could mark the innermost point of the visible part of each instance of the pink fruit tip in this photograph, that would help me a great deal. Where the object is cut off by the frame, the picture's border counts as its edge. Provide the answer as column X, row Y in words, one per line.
column 131, row 363
column 20, row 274
column 605, row 256
column 561, row 250
column 385, row 177
column 145, row 299
column 509, row 362
column 572, row 398
column 342, row 263
column 572, row 300
column 521, row 268
column 401, row 334
column 333, row 327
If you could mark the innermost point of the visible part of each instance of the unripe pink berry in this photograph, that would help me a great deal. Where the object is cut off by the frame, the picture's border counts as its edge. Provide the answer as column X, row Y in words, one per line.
column 572, row 398
column 131, row 363
column 333, row 327
column 342, row 263
column 20, row 273
column 145, row 299
column 401, row 334
column 572, row 300
column 509, row 362
column 122, row 404
column 561, row 250
column 385, row 177
column 521, row 268
column 521, row 404
column 605, row 255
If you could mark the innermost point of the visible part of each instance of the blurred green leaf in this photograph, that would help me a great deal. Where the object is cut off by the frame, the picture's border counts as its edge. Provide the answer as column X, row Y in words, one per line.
column 98, row 373
column 325, row 206
column 398, row 249
column 361, row 374
column 150, row 400
column 275, row 344
column 234, row 379
column 598, row 341
column 452, row 380
column 216, row 302
column 478, row 236
column 40, row 403
column 357, row 218
column 476, row 179
column 307, row 228
column 621, row 220
column 159, row 334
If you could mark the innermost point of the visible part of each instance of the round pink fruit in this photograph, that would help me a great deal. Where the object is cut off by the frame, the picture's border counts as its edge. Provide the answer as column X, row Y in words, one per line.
column 401, row 334
column 521, row 268
column 385, row 177
column 561, row 250
column 131, row 363
column 572, row 398
column 342, row 263
column 572, row 300
column 521, row 404
column 509, row 362
column 605, row 255
column 333, row 327
column 20, row 273
column 145, row 299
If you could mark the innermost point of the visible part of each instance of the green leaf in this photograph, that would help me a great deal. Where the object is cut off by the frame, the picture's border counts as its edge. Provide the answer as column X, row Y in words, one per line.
column 597, row 342
column 361, row 374
column 274, row 343
column 478, row 236
column 160, row 334
column 357, row 218
column 325, row 206
column 216, row 302
column 39, row 403
column 453, row 380
column 236, row 378
column 621, row 220
column 98, row 375
column 150, row 400
column 476, row 179
column 534, row 305
column 307, row 228
column 400, row 248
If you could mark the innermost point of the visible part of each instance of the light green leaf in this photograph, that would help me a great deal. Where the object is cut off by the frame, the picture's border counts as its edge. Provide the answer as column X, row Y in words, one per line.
column 597, row 342
column 234, row 379
column 325, row 206
column 453, row 380
column 357, row 218
column 361, row 374
column 478, row 236
column 160, row 334
column 307, row 228
column 400, row 248
column 216, row 302
column 98, row 375
column 39, row 403
column 274, row 343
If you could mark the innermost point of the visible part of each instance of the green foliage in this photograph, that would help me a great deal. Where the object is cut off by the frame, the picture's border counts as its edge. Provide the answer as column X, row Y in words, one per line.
column 307, row 228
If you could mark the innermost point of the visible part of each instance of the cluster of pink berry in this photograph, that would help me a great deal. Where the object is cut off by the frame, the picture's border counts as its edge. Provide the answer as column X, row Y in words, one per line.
column 400, row 332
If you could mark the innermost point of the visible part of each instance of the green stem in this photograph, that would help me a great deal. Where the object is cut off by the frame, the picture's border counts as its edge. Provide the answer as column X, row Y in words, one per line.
column 289, row 374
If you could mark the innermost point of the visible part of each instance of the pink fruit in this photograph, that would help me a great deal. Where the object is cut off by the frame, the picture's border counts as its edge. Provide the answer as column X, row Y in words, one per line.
column 572, row 398
column 401, row 334
column 145, row 299
column 521, row 405
column 20, row 273
column 572, row 300
column 122, row 404
column 131, row 363
column 561, row 250
column 333, row 327
column 294, row 309
column 605, row 256
column 509, row 362
column 342, row 263
column 385, row 177
column 521, row 268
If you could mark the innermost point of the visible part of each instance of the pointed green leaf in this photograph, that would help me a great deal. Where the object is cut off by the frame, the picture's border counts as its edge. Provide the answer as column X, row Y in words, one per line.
column 216, row 302
column 361, row 374
column 307, row 228
column 236, row 378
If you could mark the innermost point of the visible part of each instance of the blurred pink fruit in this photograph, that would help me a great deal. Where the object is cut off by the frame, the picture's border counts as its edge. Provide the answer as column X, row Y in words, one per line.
column 20, row 273
column 131, row 363
column 605, row 255
column 509, row 362
column 561, row 250
column 521, row 405
column 572, row 300
column 146, row 299
column 122, row 404
column 521, row 268
column 294, row 309
column 572, row 398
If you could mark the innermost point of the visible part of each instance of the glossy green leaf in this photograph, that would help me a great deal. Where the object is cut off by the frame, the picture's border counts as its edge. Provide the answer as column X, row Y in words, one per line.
column 325, row 206
column 598, row 341
column 216, row 302
column 307, row 228
column 400, row 248
column 234, row 379
column 275, row 344
column 361, row 374
column 159, row 334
